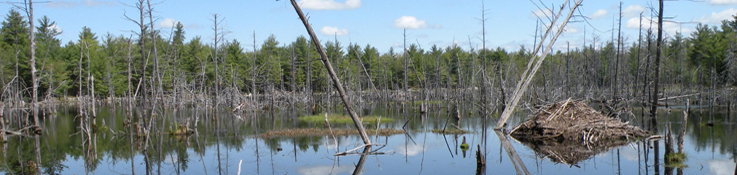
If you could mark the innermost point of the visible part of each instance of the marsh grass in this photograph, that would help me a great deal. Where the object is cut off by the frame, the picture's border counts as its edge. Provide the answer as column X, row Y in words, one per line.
column 449, row 131
column 342, row 119
column 306, row 132
column 675, row 160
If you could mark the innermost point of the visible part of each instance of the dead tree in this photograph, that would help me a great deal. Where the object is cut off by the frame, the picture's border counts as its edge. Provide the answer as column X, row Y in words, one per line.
column 405, row 55
column 529, row 73
column 659, row 43
column 331, row 72
column 616, row 65
column 156, row 84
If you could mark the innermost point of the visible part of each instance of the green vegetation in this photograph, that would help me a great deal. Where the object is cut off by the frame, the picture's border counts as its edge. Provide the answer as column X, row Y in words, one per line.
column 702, row 58
column 342, row 119
column 306, row 132
column 675, row 160
column 449, row 131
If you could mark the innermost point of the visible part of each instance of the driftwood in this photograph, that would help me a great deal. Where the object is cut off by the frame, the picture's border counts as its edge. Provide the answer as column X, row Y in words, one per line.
column 574, row 121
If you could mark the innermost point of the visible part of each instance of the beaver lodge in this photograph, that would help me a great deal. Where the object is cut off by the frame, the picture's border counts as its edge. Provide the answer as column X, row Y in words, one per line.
column 570, row 131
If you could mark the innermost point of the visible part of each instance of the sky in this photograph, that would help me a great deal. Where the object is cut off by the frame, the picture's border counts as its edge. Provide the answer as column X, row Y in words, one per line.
column 381, row 23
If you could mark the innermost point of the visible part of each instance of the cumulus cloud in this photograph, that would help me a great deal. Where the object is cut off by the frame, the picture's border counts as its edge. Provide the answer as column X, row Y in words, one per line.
column 717, row 17
column 668, row 27
column 410, row 150
column 168, row 23
column 572, row 29
column 540, row 13
column 87, row 3
column 723, row 2
column 599, row 14
column 332, row 31
column 324, row 169
column 409, row 22
column 329, row 4
column 721, row 167
column 55, row 29
column 632, row 11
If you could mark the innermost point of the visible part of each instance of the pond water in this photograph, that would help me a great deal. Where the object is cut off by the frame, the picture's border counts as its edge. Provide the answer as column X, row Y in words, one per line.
column 228, row 144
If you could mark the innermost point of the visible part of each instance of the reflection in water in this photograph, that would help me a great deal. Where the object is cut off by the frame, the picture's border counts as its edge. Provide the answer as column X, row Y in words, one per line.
column 516, row 161
column 410, row 149
column 324, row 169
column 65, row 148
column 721, row 167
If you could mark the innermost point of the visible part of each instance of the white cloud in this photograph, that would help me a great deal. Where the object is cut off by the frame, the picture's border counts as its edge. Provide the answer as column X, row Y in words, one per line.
column 669, row 27
column 332, row 31
column 168, row 23
column 716, row 18
column 324, row 169
column 87, row 3
column 599, row 14
column 723, row 2
column 572, row 29
column 329, row 4
column 632, row 11
column 634, row 23
column 721, row 167
column 409, row 22
column 543, row 14
column 55, row 29
column 410, row 150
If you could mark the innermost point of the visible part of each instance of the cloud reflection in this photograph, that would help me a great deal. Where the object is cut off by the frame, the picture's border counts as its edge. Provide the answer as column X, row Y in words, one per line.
column 409, row 150
column 721, row 167
column 324, row 169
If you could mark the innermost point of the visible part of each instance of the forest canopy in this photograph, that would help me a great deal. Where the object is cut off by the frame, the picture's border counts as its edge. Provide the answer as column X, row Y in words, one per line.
column 704, row 57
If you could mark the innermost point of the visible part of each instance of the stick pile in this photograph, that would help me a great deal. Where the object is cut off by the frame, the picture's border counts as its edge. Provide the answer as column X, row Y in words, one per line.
column 575, row 122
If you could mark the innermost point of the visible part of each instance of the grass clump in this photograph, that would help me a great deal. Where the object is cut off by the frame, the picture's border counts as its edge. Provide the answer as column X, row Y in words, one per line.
column 306, row 132
column 449, row 131
column 342, row 119
column 675, row 160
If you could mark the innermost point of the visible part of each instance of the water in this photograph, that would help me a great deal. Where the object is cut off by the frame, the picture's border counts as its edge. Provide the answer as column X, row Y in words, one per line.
column 230, row 143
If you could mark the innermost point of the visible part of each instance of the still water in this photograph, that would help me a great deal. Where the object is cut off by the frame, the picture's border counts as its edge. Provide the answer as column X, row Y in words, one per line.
column 228, row 143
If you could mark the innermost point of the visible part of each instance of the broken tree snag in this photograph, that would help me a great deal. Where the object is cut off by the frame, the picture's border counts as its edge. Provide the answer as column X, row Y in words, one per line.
column 529, row 73
column 575, row 122
column 331, row 72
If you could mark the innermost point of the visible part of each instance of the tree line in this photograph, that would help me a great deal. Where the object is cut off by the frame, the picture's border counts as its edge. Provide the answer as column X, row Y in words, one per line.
column 119, row 66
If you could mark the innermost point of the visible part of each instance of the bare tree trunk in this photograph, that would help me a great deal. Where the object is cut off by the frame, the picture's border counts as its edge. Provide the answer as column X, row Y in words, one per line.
column 405, row 55
column 326, row 62
column 294, row 78
column 35, row 84
column 654, row 107
column 253, row 69
column 142, row 44
column 526, row 78
column 130, row 93
column 483, row 58
column 156, row 73
column 216, row 60
column 616, row 65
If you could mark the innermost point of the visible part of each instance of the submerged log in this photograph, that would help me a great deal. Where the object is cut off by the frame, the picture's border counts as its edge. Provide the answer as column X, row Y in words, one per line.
column 574, row 121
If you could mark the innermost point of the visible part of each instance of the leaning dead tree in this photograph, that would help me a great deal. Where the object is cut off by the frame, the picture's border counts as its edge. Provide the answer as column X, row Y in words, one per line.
column 333, row 76
column 529, row 73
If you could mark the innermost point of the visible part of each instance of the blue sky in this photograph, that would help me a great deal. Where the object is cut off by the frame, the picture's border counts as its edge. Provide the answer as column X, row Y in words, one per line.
column 379, row 22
